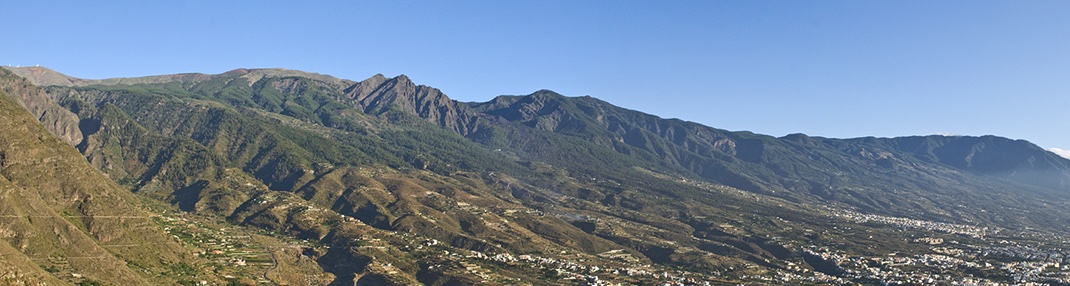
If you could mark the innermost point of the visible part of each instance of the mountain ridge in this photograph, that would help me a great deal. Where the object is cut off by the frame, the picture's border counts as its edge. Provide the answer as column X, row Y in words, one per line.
column 43, row 76
column 336, row 161
column 378, row 95
column 360, row 90
column 708, row 152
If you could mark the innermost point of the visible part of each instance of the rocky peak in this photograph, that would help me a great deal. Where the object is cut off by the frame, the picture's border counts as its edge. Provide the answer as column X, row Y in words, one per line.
column 546, row 94
column 542, row 103
column 378, row 94
column 376, row 79
column 364, row 88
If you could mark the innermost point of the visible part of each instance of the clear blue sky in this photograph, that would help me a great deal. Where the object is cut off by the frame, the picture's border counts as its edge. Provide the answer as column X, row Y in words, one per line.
column 825, row 68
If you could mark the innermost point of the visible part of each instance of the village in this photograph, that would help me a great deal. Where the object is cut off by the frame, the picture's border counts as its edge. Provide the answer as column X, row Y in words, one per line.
column 941, row 259
column 949, row 254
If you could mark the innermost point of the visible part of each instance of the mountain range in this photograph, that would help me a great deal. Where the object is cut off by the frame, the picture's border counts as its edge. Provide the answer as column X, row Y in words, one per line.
column 375, row 174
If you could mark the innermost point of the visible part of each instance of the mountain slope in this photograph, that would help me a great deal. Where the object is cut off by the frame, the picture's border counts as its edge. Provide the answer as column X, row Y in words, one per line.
column 63, row 215
column 606, row 140
column 216, row 147
column 57, row 119
column 866, row 172
column 408, row 186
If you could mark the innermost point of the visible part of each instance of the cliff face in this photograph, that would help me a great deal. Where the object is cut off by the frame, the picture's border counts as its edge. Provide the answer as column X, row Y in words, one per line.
column 378, row 95
column 57, row 119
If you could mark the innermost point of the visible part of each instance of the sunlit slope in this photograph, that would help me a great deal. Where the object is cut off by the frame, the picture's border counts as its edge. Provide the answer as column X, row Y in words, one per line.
column 346, row 163
column 67, row 217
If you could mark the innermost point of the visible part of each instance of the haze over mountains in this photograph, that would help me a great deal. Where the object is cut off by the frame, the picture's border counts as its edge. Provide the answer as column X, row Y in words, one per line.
column 341, row 163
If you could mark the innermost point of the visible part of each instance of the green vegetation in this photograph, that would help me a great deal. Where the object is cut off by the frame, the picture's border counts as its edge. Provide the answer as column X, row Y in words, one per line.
column 290, row 177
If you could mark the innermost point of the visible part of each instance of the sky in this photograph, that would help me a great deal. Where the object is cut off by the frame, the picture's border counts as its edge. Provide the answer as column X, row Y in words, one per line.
column 838, row 69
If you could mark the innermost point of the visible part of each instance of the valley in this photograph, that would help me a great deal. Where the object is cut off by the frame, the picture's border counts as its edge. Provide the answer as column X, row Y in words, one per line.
column 274, row 176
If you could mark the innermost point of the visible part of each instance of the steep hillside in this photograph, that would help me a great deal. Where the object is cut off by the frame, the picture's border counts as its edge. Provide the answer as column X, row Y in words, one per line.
column 226, row 148
column 57, row 119
column 393, row 182
column 59, row 214
column 939, row 177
